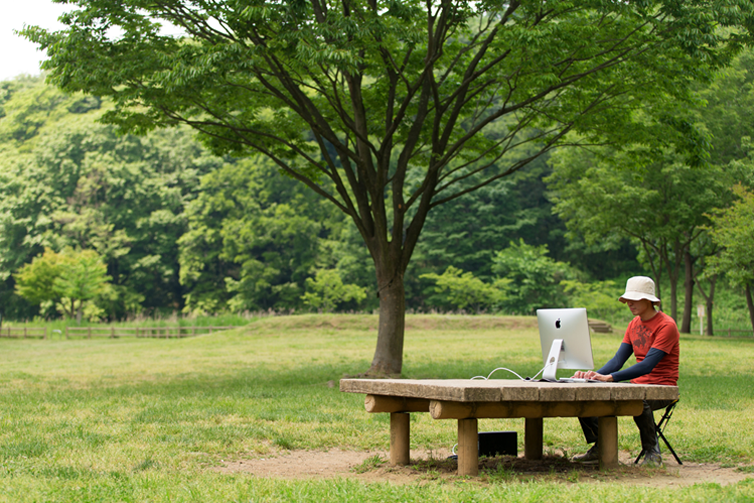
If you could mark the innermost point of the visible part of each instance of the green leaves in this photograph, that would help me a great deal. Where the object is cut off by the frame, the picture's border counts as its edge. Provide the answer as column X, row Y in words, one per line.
column 346, row 96
column 69, row 279
column 326, row 291
column 253, row 239
column 599, row 298
column 77, row 183
column 36, row 281
column 733, row 230
column 325, row 62
column 388, row 109
column 464, row 290
column 534, row 278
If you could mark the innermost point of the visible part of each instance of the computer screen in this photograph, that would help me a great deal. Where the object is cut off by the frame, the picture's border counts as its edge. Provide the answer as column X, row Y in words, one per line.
column 565, row 340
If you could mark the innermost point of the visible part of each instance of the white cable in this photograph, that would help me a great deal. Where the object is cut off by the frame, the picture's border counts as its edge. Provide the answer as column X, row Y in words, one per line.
column 453, row 450
column 499, row 368
column 509, row 370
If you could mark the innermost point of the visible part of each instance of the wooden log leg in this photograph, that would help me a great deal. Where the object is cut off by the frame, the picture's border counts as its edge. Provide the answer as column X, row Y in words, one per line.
column 400, row 438
column 468, row 446
column 533, row 438
column 607, row 442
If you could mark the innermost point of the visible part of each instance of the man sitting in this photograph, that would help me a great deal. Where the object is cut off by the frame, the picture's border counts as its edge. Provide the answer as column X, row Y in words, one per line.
column 652, row 336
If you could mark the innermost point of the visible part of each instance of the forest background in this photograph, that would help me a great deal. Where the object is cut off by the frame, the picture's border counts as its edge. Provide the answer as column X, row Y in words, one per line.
column 103, row 226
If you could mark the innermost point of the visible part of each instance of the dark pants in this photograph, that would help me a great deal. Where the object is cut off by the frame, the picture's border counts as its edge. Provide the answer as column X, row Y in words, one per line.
column 645, row 422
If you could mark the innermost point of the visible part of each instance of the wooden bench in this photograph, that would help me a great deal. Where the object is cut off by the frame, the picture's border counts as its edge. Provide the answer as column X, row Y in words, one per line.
column 469, row 400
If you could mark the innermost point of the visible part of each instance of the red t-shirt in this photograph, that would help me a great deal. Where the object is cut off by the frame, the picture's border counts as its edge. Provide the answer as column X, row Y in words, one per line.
column 659, row 332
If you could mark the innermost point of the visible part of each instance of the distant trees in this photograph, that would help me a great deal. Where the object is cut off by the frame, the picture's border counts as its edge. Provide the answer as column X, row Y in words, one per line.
column 326, row 291
column 661, row 197
column 733, row 231
column 66, row 280
column 648, row 195
column 253, row 239
column 464, row 291
column 69, row 181
column 598, row 297
column 390, row 109
column 179, row 228
column 535, row 278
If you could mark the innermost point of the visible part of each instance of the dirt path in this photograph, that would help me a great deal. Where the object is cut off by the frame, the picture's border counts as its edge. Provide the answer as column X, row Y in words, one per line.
column 373, row 467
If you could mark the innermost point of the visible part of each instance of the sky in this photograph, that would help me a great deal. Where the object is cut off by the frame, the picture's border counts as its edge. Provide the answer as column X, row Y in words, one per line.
column 17, row 55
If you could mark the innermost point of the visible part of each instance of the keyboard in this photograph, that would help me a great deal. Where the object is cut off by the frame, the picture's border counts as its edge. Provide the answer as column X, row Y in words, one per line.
column 576, row 379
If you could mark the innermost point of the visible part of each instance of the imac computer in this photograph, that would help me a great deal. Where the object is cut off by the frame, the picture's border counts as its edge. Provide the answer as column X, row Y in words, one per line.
column 565, row 340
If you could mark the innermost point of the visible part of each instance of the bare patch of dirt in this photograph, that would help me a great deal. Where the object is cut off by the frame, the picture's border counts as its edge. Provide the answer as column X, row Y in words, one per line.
column 432, row 465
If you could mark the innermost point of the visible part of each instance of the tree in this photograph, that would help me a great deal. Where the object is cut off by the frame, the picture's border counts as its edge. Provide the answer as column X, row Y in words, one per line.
column 68, row 279
column 534, row 278
column 463, row 289
column 733, row 230
column 649, row 194
column 727, row 115
column 69, row 181
column 600, row 298
column 326, row 291
column 83, row 277
column 660, row 197
column 253, row 239
column 388, row 109
column 36, row 281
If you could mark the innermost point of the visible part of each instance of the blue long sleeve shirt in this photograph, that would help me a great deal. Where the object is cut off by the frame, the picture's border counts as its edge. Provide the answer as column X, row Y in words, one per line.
column 613, row 367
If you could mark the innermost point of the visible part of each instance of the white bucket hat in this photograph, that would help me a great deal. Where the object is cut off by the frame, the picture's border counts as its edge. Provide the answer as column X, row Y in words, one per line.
column 639, row 287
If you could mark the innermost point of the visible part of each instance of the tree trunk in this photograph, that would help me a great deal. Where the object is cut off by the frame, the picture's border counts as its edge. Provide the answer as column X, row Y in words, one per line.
column 708, row 301
column 750, row 304
column 388, row 356
column 673, row 292
column 709, row 309
column 688, row 302
column 656, row 271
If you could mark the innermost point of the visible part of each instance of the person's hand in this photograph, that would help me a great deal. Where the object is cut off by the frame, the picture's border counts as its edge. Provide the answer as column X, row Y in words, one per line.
column 594, row 376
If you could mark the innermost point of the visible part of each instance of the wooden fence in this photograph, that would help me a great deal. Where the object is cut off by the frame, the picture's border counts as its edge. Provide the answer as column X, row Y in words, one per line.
column 154, row 332
column 23, row 333
column 113, row 332
column 731, row 332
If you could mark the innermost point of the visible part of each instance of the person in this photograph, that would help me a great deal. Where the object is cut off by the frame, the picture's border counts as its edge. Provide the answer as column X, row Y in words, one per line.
column 652, row 336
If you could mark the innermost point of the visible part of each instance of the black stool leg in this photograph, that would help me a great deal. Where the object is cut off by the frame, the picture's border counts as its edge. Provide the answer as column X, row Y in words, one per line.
column 659, row 427
column 669, row 447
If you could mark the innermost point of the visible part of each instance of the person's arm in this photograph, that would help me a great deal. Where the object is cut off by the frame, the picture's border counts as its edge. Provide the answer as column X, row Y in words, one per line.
column 644, row 367
column 616, row 363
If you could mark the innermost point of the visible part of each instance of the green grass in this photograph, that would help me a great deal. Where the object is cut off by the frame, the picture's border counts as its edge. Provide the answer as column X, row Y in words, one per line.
column 148, row 420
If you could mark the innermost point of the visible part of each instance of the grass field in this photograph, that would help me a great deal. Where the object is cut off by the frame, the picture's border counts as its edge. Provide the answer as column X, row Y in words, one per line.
column 138, row 420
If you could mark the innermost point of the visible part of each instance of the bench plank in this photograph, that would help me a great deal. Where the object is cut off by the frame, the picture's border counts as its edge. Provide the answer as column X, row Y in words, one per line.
column 497, row 390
